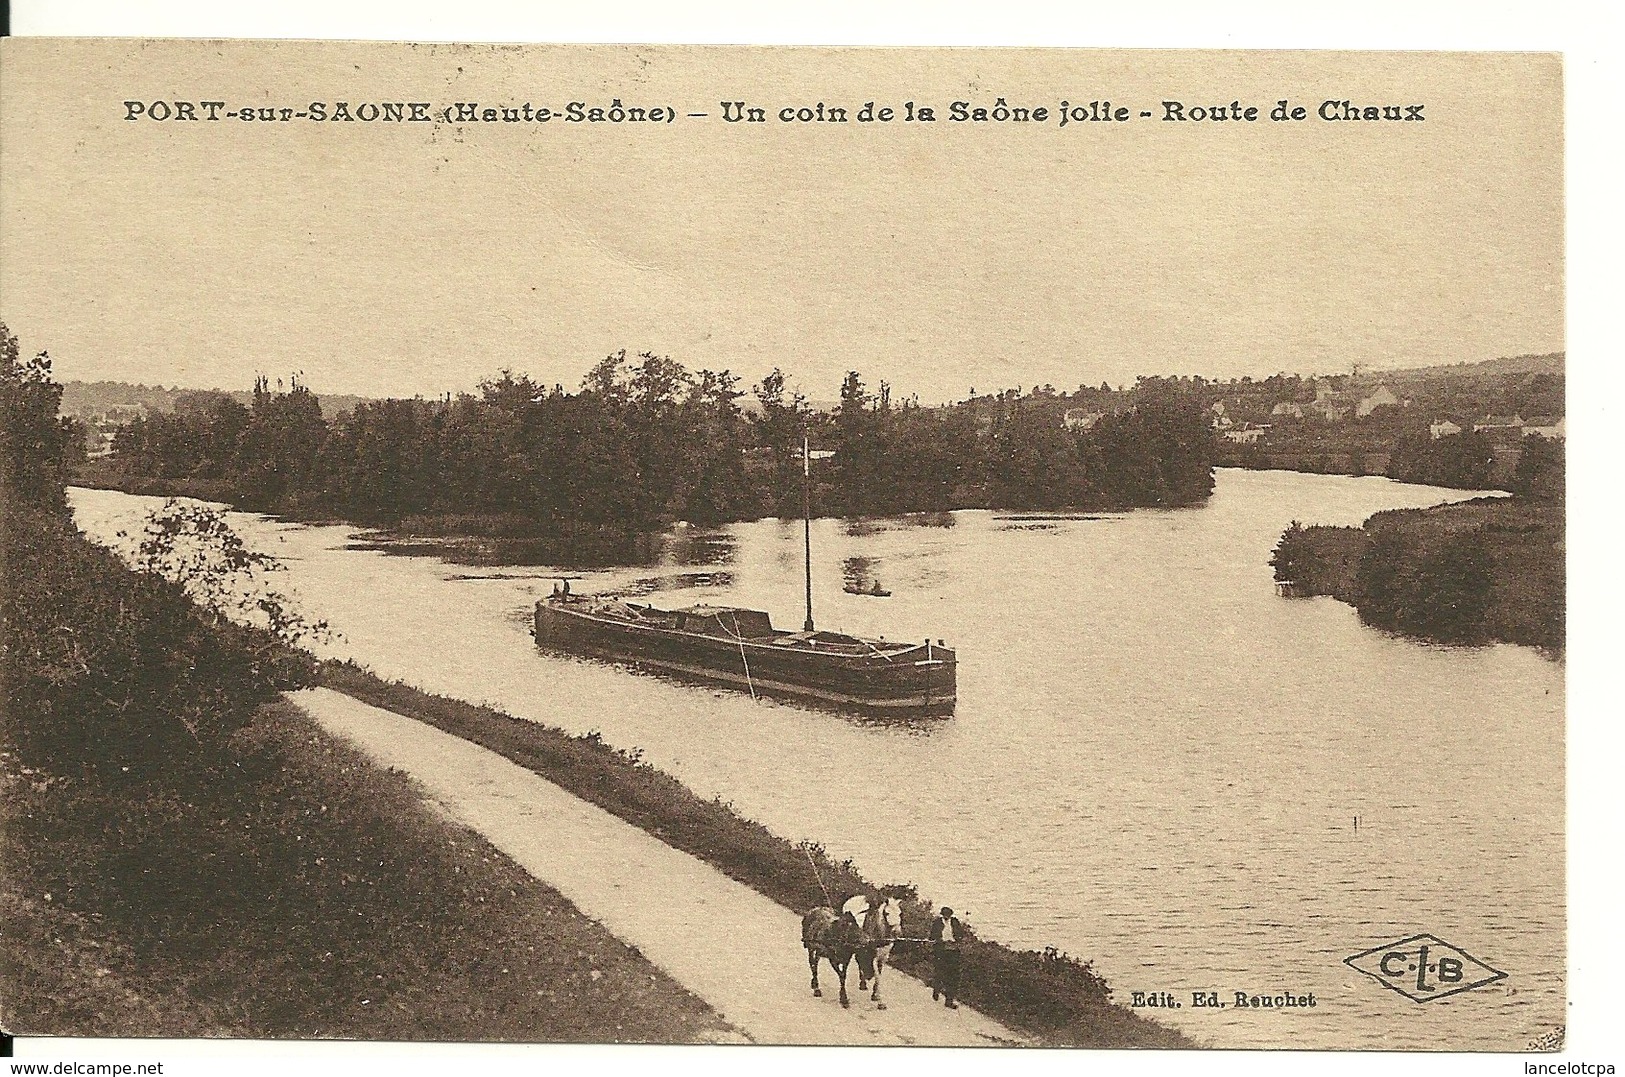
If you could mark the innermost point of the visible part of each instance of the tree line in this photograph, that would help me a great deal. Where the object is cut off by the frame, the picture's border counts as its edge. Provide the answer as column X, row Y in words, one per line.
column 644, row 442
column 1467, row 461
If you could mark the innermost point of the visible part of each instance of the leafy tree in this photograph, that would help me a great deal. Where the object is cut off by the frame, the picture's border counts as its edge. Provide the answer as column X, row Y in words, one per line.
column 714, row 426
column 1540, row 470
column 1463, row 460
column 279, row 445
column 859, row 447
column 778, row 430
column 1294, row 559
column 37, row 448
column 1036, row 462
column 1450, row 590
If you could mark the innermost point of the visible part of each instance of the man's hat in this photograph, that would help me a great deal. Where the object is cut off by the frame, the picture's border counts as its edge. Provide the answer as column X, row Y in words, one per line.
column 946, row 911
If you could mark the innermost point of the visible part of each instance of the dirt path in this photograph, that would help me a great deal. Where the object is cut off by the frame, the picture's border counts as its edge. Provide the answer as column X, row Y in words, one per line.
column 722, row 940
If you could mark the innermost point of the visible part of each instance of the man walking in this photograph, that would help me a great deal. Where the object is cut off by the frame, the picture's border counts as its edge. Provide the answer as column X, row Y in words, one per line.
column 946, row 932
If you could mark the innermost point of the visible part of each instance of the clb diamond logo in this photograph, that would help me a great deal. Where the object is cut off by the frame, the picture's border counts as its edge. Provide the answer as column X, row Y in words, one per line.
column 1424, row 968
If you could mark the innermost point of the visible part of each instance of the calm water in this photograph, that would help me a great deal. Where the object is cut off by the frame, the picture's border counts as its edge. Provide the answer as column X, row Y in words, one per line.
column 1155, row 762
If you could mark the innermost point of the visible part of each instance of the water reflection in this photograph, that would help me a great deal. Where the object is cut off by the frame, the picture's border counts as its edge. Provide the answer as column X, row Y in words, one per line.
column 860, row 526
column 858, row 576
column 682, row 581
column 698, row 546
column 918, row 721
column 1155, row 761
column 575, row 553
column 606, row 549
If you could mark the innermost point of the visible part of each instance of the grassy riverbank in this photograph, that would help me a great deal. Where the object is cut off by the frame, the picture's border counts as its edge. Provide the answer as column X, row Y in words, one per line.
column 1055, row 998
column 1480, row 571
column 186, row 855
column 307, row 894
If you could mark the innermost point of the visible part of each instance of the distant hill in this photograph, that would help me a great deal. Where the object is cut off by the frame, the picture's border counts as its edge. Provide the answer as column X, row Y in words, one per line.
column 752, row 406
column 89, row 398
column 85, row 398
column 1550, row 363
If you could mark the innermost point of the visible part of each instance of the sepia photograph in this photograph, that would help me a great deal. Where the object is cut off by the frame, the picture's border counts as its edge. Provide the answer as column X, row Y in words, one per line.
column 725, row 545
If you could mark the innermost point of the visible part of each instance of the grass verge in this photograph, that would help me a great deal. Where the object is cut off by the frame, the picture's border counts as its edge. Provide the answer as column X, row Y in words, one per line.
column 1057, row 999
column 307, row 893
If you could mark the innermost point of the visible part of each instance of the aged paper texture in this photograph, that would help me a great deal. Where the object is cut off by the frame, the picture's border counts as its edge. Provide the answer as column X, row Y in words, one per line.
column 786, row 545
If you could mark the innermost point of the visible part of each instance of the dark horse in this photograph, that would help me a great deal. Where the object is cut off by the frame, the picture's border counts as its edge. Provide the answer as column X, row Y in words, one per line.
column 834, row 938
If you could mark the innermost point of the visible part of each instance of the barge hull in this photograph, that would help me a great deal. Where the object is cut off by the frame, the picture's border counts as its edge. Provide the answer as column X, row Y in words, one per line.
column 909, row 683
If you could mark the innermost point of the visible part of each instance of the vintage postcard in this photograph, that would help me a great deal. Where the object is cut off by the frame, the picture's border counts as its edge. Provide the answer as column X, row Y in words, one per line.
column 999, row 548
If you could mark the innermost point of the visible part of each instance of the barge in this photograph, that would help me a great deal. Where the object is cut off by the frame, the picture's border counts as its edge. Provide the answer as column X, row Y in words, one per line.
column 741, row 648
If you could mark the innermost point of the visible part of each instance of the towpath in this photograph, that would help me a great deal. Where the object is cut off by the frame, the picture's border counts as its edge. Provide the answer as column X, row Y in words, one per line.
column 736, row 949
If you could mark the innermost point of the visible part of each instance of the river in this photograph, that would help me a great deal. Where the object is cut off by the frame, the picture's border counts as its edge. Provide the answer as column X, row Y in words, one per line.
column 1155, row 763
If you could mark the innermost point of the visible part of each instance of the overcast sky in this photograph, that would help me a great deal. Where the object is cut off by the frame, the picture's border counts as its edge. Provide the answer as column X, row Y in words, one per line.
column 391, row 259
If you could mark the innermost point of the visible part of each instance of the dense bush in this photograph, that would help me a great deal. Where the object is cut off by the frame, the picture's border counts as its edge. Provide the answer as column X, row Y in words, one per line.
column 1463, row 460
column 1439, row 591
column 106, row 670
column 1294, row 559
column 116, row 671
column 184, row 856
column 1470, row 572
column 1541, row 469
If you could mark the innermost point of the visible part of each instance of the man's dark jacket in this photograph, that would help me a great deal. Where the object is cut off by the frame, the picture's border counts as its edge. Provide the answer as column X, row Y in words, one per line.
column 936, row 932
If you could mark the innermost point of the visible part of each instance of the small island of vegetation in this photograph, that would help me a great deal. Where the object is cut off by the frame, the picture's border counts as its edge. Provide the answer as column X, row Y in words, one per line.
column 644, row 442
column 1480, row 571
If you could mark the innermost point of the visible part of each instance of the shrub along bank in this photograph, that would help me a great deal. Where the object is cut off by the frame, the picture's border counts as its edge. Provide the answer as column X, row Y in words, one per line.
column 1054, row 997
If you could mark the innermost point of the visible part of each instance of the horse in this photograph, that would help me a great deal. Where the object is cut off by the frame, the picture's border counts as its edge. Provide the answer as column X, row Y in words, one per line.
column 832, row 937
column 882, row 923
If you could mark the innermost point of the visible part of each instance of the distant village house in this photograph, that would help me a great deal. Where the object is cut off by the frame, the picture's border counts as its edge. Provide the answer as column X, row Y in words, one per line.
column 1247, row 434
column 1546, row 426
column 1331, row 407
column 1443, row 428
column 123, row 414
column 1081, row 418
column 1383, row 398
column 100, row 430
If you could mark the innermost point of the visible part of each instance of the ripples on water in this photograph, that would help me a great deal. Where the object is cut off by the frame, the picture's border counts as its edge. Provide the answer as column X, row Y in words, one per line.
column 1155, row 762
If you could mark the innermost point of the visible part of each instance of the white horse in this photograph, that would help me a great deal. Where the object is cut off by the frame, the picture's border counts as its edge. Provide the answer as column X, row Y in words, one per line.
column 882, row 921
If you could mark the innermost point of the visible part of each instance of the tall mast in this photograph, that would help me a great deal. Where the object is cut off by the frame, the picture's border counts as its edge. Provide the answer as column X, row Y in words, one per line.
column 806, row 523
